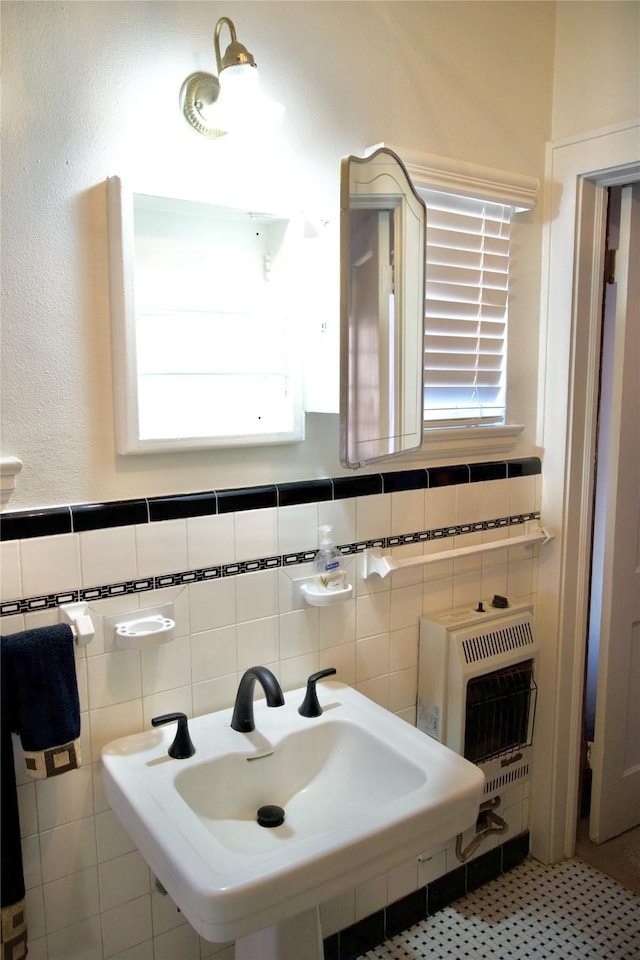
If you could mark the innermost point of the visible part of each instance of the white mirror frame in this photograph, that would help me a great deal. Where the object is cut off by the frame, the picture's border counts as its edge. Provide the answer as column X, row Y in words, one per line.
column 128, row 399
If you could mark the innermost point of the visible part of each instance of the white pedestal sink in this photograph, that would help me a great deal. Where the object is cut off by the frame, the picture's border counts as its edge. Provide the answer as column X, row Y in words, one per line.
column 292, row 939
column 361, row 791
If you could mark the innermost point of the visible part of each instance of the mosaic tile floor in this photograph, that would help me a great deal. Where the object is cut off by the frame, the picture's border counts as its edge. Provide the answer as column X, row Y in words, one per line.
column 568, row 911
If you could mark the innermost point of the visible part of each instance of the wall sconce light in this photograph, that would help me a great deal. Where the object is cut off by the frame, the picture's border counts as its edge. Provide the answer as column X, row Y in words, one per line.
column 232, row 101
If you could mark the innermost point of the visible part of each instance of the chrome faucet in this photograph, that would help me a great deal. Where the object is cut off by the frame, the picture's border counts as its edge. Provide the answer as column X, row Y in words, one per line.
column 242, row 719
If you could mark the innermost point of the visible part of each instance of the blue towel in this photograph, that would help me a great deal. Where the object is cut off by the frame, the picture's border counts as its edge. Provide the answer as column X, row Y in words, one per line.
column 39, row 702
column 14, row 926
column 45, row 709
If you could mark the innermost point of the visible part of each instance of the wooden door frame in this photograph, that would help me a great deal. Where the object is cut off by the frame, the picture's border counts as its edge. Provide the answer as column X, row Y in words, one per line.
column 579, row 172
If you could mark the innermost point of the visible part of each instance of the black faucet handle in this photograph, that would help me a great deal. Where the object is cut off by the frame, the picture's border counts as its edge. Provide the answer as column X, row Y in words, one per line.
column 182, row 746
column 310, row 706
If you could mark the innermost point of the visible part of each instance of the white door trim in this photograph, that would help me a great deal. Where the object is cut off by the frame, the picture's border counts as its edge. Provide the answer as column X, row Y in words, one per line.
column 579, row 171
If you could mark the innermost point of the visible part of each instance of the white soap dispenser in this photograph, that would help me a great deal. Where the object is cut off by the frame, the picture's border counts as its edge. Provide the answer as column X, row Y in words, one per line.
column 328, row 566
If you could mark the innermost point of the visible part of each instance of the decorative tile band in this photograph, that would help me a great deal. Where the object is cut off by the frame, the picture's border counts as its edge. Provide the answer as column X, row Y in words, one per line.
column 77, row 518
column 31, row 604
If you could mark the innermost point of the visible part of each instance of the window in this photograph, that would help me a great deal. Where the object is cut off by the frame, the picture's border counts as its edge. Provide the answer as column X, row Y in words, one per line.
column 466, row 310
column 470, row 212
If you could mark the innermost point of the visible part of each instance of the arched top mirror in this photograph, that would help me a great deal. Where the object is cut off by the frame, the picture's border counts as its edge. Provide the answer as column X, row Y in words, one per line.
column 382, row 280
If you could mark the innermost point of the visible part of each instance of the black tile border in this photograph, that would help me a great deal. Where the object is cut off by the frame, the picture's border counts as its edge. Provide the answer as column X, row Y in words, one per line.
column 331, row 947
column 247, row 498
column 404, row 913
column 367, row 486
column 362, row 936
column 310, row 491
column 23, row 524
column 514, row 851
column 78, row 518
column 488, row 471
column 446, row 889
column 484, row 868
column 449, row 476
column 99, row 516
column 405, row 480
column 182, row 507
column 353, row 941
column 523, row 467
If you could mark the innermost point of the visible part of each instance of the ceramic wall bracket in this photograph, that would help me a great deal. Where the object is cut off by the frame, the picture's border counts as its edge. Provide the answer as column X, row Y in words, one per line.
column 136, row 629
column 304, row 590
column 78, row 617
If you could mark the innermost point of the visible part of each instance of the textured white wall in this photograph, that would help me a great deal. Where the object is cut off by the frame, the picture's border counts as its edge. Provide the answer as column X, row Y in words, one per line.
column 597, row 66
column 91, row 90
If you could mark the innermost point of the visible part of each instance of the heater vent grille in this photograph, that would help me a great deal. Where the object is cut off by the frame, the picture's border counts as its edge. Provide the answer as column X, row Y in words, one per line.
column 498, row 783
column 492, row 644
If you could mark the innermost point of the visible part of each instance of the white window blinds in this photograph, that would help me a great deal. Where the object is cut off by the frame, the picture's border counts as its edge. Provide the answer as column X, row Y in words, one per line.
column 467, row 285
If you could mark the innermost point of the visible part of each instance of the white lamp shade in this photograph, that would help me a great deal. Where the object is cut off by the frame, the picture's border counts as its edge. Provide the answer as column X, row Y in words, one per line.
column 241, row 106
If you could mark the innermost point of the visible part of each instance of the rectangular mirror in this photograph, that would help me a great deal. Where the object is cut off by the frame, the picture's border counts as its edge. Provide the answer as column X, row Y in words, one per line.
column 206, row 353
column 382, row 276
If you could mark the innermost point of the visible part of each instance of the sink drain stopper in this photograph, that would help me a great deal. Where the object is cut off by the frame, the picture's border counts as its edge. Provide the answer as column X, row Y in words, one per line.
column 270, row 815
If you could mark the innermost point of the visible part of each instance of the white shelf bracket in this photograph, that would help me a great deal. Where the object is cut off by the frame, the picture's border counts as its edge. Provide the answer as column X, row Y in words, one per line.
column 77, row 615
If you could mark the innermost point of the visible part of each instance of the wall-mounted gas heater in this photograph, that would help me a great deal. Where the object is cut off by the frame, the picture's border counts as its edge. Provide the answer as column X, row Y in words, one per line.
column 476, row 687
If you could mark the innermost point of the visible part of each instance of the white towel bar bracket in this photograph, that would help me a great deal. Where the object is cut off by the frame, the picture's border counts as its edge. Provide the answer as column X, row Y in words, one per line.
column 79, row 618
column 374, row 562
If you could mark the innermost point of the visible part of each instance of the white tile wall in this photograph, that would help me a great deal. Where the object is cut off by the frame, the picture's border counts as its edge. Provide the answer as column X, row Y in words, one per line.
column 90, row 893
column 341, row 515
column 295, row 525
column 161, row 547
column 256, row 534
column 108, row 556
column 407, row 510
column 371, row 896
column 49, row 564
column 210, row 541
column 373, row 517
column 10, row 571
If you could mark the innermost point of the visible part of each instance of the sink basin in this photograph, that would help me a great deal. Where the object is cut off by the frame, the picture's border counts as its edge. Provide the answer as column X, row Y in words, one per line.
column 361, row 792
column 324, row 776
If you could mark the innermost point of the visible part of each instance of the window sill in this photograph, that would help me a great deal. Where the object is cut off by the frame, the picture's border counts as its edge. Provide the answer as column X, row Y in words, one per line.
column 466, row 441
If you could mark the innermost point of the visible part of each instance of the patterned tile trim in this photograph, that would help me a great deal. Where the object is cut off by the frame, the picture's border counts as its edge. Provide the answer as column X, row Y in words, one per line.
column 25, row 524
column 30, row 604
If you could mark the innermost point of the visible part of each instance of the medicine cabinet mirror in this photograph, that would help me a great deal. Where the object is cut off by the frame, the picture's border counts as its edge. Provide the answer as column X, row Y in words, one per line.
column 204, row 346
column 382, row 294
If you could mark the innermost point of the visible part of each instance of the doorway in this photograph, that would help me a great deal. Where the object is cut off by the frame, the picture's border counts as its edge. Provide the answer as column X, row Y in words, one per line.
column 610, row 800
column 581, row 170
column 614, row 610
